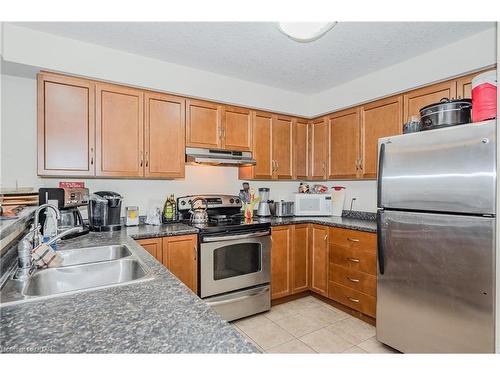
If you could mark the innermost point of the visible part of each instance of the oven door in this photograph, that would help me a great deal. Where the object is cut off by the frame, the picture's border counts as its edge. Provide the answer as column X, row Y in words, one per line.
column 234, row 261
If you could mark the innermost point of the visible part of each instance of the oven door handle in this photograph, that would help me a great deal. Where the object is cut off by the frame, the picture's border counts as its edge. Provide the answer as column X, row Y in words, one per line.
column 236, row 237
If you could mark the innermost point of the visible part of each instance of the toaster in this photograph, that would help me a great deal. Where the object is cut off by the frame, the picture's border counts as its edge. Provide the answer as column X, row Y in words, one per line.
column 282, row 209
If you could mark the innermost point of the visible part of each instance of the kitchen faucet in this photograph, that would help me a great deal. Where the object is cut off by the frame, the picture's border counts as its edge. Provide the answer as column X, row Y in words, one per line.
column 36, row 226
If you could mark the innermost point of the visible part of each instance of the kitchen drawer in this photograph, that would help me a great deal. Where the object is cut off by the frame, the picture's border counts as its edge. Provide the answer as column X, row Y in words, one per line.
column 355, row 259
column 360, row 281
column 352, row 298
column 354, row 239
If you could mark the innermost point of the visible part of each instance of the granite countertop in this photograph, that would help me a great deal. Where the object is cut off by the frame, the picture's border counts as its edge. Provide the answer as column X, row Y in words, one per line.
column 365, row 225
column 157, row 316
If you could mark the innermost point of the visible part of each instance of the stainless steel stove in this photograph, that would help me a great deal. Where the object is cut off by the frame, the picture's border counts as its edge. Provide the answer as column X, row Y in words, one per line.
column 234, row 262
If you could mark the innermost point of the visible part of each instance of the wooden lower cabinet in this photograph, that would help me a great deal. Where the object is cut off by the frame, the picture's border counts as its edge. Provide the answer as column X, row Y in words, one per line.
column 319, row 259
column 152, row 246
column 282, row 242
column 177, row 253
column 180, row 256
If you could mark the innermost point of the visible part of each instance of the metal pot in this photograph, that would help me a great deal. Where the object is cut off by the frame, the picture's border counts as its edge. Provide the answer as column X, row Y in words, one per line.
column 199, row 215
column 446, row 113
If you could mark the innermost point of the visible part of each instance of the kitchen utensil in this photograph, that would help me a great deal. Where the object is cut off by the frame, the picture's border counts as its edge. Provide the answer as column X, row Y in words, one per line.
column 284, row 209
column 263, row 209
column 338, row 199
column 199, row 213
column 413, row 125
column 446, row 113
column 131, row 216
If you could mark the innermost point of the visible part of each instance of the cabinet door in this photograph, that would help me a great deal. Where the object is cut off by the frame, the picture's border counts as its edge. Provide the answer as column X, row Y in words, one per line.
column 416, row 99
column 65, row 126
column 237, row 129
column 164, row 135
column 379, row 119
column 344, row 144
column 319, row 151
column 203, row 124
column 282, row 147
column 319, row 259
column 180, row 256
column 119, row 131
column 152, row 246
column 280, row 261
column 300, row 258
column 262, row 146
column 300, row 149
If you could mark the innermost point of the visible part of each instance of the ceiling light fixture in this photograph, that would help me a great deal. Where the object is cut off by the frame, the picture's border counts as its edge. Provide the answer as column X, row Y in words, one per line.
column 305, row 32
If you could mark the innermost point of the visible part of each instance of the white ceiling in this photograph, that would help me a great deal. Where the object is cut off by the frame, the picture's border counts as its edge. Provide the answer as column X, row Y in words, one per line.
column 258, row 52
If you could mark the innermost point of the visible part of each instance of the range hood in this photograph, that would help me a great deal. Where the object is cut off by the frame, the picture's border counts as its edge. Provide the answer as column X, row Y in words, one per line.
column 219, row 157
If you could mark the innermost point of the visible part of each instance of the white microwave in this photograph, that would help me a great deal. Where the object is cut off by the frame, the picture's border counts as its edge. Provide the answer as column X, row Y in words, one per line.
column 313, row 205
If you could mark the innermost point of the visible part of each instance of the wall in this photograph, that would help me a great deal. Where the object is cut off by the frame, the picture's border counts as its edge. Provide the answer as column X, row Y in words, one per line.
column 19, row 163
column 50, row 52
column 466, row 55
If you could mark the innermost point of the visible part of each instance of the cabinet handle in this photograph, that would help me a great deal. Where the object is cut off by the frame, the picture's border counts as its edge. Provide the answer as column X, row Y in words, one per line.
column 354, row 260
column 91, row 160
column 195, row 252
column 147, row 159
column 352, row 239
column 326, row 237
column 353, row 299
column 352, row 280
column 142, row 159
column 277, row 165
column 91, row 156
column 324, row 167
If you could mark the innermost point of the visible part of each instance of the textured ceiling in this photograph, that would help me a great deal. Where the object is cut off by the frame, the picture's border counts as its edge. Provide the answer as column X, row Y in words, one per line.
column 258, row 52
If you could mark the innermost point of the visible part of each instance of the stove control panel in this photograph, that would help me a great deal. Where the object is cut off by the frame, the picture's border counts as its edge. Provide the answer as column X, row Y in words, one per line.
column 213, row 201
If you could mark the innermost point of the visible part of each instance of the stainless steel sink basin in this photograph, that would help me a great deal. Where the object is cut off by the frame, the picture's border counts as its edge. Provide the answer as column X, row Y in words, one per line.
column 93, row 254
column 85, row 276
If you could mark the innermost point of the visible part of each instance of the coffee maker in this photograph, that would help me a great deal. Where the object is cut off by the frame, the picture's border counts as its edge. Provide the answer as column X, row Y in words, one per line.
column 104, row 211
column 263, row 209
column 67, row 200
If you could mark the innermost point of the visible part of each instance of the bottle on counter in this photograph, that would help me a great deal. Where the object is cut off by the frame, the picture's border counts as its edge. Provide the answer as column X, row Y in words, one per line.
column 169, row 209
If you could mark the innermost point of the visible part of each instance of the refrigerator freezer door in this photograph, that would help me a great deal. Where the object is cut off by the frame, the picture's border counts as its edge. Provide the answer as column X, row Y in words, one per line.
column 443, row 170
column 436, row 293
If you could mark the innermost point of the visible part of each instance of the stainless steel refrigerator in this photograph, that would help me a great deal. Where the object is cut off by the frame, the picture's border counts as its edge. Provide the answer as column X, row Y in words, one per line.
column 436, row 240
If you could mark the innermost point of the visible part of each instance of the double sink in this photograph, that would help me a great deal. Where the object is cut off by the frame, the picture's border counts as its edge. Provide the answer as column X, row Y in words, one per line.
column 82, row 269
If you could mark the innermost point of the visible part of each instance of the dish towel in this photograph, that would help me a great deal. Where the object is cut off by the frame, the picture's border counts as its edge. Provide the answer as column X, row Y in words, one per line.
column 44, row 256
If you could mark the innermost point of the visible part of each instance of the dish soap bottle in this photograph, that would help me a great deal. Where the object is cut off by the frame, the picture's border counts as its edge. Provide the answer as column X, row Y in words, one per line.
column 169, row 209
column 50, row 227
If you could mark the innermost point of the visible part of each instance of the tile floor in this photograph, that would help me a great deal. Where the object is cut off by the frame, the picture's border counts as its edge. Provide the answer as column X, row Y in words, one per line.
column 309, row 325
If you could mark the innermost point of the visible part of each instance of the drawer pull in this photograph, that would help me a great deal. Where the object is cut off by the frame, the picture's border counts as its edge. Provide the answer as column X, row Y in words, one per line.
column 352, row 239
column 353, row 299
column 353, row 280
column 354, row 260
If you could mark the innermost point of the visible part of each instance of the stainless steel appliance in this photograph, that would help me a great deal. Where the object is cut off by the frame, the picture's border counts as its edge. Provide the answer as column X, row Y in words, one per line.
column 263, row 209
column 105, row 211
column 436, row 240
column 313, row 204
column 219, row 157
column 234, row 257
column 282, row 209
column 68, row 201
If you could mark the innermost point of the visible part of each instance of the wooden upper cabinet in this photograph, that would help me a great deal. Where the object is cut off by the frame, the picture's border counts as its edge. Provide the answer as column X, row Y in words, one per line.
column 180, row 255
column 300, row 259
column 319, row 150
column 237, row 129
column 301, row 149
column 164, row 135
column 282, row 242
column 282, row 147
column 319, row 259
column 66, row 128
column 119, row 131
column 203, row 124
column 379, row 119
column 416, row 99
column 344, row 136
column 262, row 146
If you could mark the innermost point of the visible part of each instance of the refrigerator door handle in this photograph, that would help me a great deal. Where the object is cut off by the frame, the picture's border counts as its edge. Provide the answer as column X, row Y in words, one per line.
column 380, row 173
column 380, row 244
